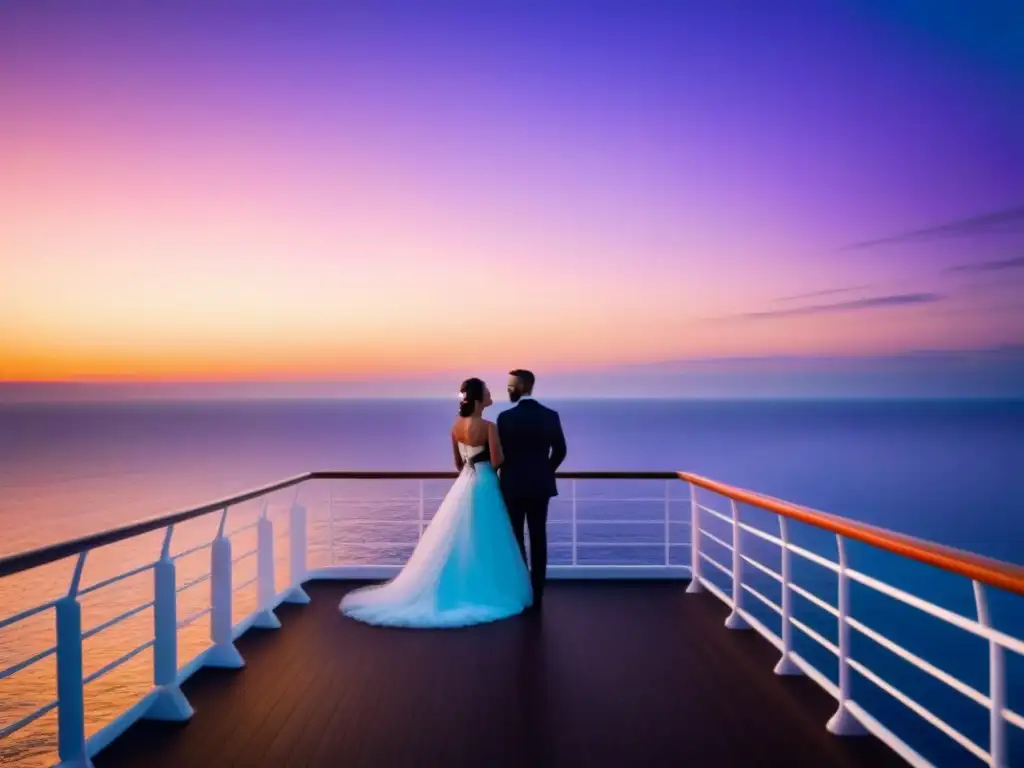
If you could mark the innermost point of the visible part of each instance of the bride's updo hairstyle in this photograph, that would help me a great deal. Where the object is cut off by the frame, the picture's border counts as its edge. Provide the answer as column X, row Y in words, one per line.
column 470, row 393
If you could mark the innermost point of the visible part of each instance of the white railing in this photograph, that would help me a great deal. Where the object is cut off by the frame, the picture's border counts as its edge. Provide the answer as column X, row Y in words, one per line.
column 850, row 717
column 564, row 536
column 167, row 702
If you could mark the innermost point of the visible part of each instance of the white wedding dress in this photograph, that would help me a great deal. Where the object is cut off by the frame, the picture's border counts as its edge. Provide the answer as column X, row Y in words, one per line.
column 466, row 569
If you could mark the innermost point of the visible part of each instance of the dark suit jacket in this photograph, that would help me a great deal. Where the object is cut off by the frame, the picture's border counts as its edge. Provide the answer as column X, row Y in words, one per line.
column 534, row 447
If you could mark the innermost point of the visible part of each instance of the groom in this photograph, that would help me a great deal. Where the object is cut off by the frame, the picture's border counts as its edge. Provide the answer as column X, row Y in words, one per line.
column 534, row 447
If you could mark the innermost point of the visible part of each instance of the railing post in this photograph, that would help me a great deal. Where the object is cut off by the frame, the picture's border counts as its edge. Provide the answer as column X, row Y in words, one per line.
column 422, row 510
column 330, row 528
column 223, row 654
column 575, row 549
column 695, row 586
column 786, row 665
column 735, row 620
column 265, row 588
column 842, row 723
column 170, row 703
column 997, row 749
column 297, row 534
column 70, row 677
column 668, row 529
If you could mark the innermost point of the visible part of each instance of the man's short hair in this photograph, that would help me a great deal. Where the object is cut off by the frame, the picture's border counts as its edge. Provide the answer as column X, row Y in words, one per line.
column 524, row 376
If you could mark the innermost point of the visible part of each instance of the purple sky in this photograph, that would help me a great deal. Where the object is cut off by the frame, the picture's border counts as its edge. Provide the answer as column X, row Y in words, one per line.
column 323, row 192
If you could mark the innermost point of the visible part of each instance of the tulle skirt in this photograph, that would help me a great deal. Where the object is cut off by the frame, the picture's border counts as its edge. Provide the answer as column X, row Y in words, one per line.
column 467, row 568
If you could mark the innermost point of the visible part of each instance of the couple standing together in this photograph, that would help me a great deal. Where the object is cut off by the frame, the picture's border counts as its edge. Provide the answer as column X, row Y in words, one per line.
column 470, row 564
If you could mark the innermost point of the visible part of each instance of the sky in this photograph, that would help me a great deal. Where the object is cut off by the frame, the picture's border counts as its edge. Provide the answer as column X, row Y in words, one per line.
column 385, row 196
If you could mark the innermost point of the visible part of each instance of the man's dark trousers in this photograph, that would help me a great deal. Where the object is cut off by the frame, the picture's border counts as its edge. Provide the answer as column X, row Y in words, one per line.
column 533, row 512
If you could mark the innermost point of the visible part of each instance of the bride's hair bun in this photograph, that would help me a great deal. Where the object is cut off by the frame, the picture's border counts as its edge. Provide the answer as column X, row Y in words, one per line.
column 470, row 393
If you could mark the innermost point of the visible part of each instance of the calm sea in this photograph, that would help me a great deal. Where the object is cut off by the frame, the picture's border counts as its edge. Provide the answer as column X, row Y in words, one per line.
column 952, row 472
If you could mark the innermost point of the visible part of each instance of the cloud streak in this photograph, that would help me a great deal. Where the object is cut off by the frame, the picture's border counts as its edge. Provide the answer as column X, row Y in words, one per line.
column 1009, row 354
column 876, row 302
column 1007, row 220
column 826, row 292
column 991, row 266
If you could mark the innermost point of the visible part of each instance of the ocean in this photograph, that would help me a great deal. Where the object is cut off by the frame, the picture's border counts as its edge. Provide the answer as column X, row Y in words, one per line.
column 949, row 471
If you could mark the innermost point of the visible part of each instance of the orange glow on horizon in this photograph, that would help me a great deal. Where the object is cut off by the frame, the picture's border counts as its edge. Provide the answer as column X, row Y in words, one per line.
column 295, row 352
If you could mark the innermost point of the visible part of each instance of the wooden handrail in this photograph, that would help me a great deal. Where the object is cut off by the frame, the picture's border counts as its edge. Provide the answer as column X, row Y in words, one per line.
column 984, row 569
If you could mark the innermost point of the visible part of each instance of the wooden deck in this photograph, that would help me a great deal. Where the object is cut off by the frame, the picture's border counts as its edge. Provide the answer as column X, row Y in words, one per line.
column 615, row 673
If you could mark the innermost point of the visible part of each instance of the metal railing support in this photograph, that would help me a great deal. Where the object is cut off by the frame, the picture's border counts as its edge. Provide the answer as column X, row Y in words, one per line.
column 70, row 677
column 297, row 539
column 735, row 620
column 843, row 723
column 575, row 548
column 170, row 703
column 223, row 654
column 265, row 590
column 695, row 586
column 786, row 665
column 996, row 685
column 668, row 527
column 330, row 527
column 422, row 510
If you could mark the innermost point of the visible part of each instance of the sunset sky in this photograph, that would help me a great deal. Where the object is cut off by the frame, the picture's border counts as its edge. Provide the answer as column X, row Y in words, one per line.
column 331, row 192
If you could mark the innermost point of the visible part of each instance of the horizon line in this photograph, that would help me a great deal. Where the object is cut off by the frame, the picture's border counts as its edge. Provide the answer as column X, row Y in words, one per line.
column 168, row 399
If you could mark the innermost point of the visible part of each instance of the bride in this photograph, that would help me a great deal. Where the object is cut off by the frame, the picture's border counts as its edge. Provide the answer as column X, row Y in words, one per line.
column 467, row 568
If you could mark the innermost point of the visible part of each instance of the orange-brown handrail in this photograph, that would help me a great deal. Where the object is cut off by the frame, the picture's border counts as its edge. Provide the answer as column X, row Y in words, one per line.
column 984, row 569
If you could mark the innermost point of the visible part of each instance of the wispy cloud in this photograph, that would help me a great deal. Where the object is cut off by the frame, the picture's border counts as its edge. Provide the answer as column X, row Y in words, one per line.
column 1008, row 220
column 826, row 292
column 1008, row 353
column 996, row 372
column 990, row 266
column 876, row 302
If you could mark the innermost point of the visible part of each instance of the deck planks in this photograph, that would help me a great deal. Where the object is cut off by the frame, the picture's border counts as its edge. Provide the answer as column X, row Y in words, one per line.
column 615, row 673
